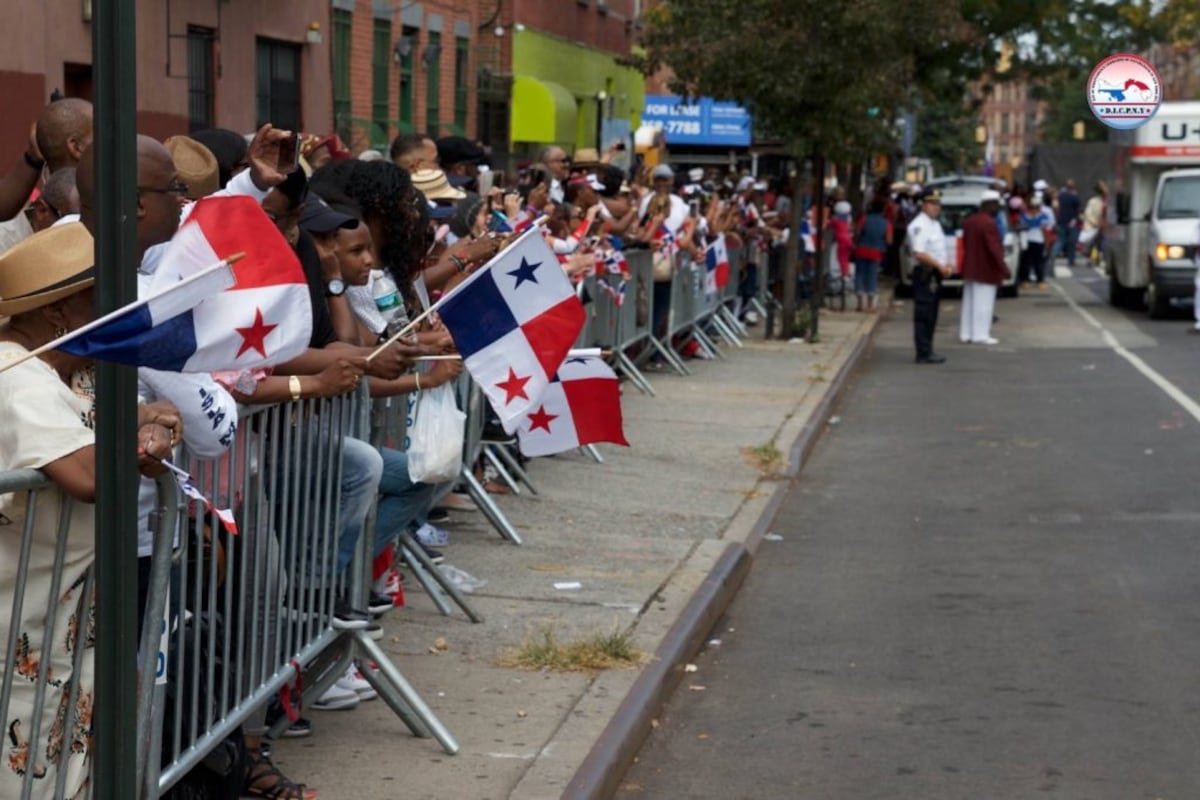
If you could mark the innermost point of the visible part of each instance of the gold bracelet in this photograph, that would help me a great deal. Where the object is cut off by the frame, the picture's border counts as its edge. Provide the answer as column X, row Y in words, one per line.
column 294, row 387
column 417, row 375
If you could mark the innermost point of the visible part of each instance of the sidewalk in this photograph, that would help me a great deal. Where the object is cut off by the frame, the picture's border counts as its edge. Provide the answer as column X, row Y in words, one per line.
column 660, row 537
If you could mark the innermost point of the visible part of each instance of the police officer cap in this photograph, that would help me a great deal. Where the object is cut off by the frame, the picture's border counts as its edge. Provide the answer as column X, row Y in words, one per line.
column 930, row 194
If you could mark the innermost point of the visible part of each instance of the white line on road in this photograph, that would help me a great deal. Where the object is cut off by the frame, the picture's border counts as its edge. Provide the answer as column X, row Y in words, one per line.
column 1171, row 390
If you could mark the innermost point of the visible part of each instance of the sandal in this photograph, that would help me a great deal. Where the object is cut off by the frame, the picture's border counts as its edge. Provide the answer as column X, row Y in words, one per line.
column 258, row 767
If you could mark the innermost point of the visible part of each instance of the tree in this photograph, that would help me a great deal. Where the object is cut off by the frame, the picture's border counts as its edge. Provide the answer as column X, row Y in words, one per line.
column 808, row 71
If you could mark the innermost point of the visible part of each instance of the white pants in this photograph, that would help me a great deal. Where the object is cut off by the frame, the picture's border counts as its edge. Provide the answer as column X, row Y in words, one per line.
column 978, row 304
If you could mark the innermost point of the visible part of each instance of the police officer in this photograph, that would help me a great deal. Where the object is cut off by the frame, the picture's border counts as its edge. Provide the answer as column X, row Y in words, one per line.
column 931, row 263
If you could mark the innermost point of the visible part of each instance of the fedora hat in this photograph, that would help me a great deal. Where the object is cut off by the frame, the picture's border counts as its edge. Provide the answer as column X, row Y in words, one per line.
column 196, row 166
column 586, row 157
column 46, row 267
column 433, row 184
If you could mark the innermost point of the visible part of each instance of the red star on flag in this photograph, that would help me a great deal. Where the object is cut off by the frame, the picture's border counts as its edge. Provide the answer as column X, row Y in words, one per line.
column 514, row 387
column 255, row 336
column 540, row 419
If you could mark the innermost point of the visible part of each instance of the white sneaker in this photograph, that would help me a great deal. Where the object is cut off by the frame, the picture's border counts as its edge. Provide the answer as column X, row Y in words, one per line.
column 431, row 536
column 988, row 340
column 336, row 698
column 355, row 682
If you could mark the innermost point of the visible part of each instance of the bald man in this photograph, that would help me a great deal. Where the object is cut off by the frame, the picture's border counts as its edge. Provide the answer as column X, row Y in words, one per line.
column 64, row 131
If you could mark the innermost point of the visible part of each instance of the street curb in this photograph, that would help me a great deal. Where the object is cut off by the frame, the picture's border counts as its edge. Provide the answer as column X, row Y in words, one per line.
column 605, row 765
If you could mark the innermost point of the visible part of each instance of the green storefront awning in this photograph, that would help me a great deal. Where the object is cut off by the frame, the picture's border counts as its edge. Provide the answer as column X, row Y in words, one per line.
column 542, row 112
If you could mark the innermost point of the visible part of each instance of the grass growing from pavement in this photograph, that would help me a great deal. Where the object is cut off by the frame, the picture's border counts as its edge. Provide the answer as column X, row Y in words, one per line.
column 604, row 650
column 766, row 457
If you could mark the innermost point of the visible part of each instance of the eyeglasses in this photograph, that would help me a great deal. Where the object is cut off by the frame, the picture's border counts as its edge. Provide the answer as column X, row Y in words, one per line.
column 176, row 188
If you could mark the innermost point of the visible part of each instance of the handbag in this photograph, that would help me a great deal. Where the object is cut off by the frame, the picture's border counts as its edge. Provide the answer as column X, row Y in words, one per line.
column 664, row 266
column 436, row 437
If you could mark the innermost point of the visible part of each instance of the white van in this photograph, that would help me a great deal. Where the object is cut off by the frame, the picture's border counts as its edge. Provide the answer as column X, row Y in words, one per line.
column 1150, row 253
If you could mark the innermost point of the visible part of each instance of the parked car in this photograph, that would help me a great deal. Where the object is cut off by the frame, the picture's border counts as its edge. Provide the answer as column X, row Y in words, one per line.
column 960, row 197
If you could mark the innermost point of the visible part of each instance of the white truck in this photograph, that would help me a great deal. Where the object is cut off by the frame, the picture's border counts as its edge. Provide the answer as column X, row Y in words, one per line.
column 1150, row 253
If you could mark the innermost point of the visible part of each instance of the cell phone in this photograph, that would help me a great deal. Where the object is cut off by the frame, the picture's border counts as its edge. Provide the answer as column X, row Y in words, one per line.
column 486, row 181
column 289, row 154
column 694, row 207
column 619, row 146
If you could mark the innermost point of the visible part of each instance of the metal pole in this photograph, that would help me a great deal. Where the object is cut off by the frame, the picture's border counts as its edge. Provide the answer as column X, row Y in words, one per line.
column 114, row 774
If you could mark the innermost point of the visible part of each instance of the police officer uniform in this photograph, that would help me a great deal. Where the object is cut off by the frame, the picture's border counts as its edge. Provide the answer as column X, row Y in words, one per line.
column 926, row 236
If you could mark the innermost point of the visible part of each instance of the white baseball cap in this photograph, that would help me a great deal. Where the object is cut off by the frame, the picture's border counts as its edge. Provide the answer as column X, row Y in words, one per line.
column 1040, row 185
column 989, row 194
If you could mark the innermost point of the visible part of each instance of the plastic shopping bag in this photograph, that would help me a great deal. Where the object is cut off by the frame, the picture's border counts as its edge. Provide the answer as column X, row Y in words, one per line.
column 436, row 438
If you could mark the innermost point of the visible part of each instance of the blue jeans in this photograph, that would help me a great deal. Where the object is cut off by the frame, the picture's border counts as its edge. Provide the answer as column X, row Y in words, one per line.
column 362, row 469
column 866, row 277
column 1068, row 240
column 401, row 502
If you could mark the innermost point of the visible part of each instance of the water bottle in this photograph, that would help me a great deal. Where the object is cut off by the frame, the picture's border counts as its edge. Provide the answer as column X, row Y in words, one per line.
column 387, row 297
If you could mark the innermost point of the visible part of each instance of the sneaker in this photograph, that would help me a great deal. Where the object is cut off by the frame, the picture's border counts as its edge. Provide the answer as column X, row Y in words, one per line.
column 438, row 516
column 355, row 682
column 347, row 618
column 1042, row 286
column 298, row 729
column 988, row 340
column 430, row 536
column 435, row 556
column 374, row 631
column 336, row 698
column 379, row 603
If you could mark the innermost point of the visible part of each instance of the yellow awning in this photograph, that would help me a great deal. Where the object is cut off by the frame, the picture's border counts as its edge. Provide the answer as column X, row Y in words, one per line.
column 542, row 111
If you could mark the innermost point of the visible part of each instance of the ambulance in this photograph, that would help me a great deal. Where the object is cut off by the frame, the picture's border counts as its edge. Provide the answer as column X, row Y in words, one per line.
column 1150, row 253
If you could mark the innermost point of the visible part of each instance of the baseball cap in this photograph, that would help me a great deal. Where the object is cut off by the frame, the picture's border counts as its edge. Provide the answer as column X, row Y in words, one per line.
column 459, row 150
column 1040, row 185
column 989, row 195
column 663, row 171
column 318, row 217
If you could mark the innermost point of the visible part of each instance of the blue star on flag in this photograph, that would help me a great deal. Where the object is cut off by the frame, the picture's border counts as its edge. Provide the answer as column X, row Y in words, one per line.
column 525, row 272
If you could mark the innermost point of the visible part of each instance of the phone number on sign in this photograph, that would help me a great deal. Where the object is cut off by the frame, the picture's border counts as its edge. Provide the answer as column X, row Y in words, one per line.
column 680, row 126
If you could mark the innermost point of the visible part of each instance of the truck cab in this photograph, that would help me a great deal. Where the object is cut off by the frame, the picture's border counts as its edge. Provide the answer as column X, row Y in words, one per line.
column 1150, row 256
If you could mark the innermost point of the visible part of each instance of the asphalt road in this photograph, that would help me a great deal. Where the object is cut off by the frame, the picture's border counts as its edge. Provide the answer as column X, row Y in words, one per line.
column 987, row 585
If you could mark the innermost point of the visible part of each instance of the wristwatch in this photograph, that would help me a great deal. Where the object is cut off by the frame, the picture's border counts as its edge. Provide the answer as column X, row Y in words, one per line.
column 335, row 287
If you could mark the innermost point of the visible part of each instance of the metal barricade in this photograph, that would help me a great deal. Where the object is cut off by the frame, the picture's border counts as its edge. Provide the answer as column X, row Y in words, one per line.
column 730, row 300
column 390, row 418
column 632, row 330
column 45, row 697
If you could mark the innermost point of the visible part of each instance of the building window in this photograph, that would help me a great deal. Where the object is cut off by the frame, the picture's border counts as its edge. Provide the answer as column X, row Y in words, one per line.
column 341, row 68
column 381, row 72
column 408, row 91
column 433, row 83
column 1004, row 122
column 278, row 92
column 462, row 55
column 201, row 78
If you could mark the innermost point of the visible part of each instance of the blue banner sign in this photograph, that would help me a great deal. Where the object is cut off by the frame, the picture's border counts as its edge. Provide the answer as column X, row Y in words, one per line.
column 703, row 121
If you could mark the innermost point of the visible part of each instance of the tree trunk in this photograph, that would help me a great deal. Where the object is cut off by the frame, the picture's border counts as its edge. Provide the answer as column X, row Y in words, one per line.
column 791, row 265
column 816, row 297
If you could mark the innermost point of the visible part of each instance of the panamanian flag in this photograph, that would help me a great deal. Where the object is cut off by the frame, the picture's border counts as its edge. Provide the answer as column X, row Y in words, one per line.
column 264, row 318
column 582, row 405
column 716, row 262
column 513, row 321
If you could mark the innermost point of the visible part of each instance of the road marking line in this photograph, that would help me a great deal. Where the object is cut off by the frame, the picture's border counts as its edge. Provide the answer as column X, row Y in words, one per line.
column 1171, row 390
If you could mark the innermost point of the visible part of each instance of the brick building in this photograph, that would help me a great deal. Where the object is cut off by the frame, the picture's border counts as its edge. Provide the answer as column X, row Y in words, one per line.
column 1012, row 117
column 550, row 72
column 201, row 63
column 404, row 67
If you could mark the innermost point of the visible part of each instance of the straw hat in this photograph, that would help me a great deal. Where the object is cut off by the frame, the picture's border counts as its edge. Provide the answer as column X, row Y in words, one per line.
column 433, row 184
column 586, row 157
column 46, row 267
column 196, row 166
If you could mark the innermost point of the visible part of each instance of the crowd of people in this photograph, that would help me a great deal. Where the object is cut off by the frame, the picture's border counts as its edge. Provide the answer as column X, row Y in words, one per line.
column 377, row 235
